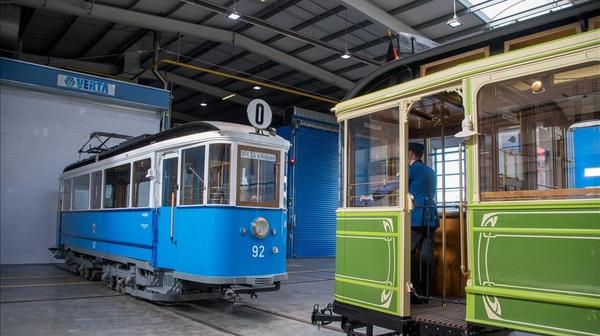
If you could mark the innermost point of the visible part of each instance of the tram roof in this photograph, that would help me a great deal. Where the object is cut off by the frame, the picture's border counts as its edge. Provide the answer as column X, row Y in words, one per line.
column 175, row 132
column 406, row 69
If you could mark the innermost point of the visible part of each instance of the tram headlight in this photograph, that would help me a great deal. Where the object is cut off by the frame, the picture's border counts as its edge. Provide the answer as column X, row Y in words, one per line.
column 260, row 227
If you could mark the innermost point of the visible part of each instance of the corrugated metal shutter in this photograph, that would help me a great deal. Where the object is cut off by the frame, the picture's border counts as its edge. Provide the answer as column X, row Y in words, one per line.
column 315, row 192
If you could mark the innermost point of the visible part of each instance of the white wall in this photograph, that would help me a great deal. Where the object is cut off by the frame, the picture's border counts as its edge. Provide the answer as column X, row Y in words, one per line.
column 40, row 134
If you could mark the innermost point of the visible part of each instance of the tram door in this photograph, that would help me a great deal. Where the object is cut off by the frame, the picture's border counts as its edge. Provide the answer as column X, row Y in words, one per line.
column 166, row 255
column 437, row 184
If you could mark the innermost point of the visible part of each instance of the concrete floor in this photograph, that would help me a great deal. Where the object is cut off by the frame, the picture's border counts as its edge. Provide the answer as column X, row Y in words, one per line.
column 47, row 300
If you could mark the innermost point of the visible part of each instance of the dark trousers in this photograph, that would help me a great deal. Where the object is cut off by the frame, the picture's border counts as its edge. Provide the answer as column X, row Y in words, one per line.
column 421, row 250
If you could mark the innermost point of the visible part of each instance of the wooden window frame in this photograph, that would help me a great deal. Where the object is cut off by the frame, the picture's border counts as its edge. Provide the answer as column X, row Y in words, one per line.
column 425, row 67
column 273, row 204
column 536, row 36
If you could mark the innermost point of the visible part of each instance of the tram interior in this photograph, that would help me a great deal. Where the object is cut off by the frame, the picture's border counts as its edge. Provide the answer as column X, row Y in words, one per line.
column 538, row 136
column 432, row 121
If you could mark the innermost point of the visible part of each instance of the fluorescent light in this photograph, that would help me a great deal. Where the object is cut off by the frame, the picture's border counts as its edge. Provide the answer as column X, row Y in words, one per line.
column 454, row 22
column 234, row 15
column 203, row 104
column 230, row 96
column 256, row 87
column 345, row 55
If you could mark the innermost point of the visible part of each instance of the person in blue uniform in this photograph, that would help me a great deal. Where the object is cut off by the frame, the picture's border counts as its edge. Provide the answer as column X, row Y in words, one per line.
column 424, row 217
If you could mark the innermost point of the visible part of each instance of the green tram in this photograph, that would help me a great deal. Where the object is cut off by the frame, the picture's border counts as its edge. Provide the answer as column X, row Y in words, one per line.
column 511, row 125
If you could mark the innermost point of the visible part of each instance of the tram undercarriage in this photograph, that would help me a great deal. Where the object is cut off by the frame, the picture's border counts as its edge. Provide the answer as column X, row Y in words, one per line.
column 152, row 284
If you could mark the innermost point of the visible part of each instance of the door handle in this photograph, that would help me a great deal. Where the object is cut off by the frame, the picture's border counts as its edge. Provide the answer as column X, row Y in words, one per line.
column 172, row 229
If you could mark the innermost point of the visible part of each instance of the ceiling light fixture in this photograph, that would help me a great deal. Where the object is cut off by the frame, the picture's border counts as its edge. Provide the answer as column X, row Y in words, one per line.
column 455, row 21
column 234, row 15
column 346, row 54
column 203, row 104
column 256, row 87
column 229, row 96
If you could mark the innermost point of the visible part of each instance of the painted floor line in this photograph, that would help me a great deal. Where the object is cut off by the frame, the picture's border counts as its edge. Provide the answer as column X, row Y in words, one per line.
column 51, row 284
column 38, row 277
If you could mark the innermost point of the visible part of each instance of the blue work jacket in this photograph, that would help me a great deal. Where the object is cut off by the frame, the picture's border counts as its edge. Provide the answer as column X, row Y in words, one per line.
column 422, row 183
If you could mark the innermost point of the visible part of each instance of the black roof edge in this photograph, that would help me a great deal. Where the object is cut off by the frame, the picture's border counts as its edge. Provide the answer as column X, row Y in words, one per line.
column 145, row 140
column 394, row 68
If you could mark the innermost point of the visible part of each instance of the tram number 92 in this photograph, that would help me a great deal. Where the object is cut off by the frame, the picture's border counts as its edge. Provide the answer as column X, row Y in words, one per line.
column 258, row 251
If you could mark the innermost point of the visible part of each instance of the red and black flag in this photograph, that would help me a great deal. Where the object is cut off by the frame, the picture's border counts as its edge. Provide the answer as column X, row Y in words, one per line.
column 392, row 53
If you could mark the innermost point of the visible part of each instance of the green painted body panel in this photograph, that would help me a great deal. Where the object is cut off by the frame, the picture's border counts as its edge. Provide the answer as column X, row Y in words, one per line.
column 368, row 251
column 536, row 267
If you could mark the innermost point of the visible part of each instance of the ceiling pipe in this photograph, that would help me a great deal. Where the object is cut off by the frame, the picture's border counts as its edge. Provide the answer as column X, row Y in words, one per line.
column 153, row 22
column 238, row 78
column 208, row 89
column 390, row 21
column 155, row 68
column 279, row 30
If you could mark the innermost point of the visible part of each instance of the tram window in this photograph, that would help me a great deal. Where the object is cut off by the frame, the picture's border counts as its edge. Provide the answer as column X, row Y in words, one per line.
column 81, row 192
column 169, row 180
column 116, row 186
column 192, row 175
column 526, row 146
column 373, row 153
column 218, row 173
column 66, row 196
column 258, row 171
column 141, row 184
column 449, row 158
column 96, row 192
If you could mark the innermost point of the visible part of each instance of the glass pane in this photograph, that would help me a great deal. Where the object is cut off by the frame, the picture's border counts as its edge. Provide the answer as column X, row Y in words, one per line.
column 96, row 189
column 169, row 181
column 66, row 197
column 116, row 186
column 141, row 184
column 218, row 173
column 532, row 130
column 81, row 192
column 192, row 174
column 258, row 176
column 373, row 158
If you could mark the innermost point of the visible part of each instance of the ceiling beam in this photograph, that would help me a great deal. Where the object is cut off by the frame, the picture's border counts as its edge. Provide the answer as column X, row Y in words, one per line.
column 390, row 21
column 291, row 33
column 101, row 36
column 54, row 43
column 138, row 19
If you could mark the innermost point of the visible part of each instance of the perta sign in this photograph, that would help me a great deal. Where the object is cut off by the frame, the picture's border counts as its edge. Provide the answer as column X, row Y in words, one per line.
column 85, row 84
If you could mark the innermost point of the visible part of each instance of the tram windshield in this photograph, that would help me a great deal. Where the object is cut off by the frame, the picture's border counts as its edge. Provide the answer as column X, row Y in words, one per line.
column 540, row 135
column 258, row 177
column 373, row 158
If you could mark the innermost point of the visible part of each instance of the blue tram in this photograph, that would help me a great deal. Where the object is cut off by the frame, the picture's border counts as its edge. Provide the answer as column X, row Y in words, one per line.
column 194, row 212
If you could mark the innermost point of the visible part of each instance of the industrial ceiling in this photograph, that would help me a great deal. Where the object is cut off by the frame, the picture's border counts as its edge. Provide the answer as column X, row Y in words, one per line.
column 288, row 52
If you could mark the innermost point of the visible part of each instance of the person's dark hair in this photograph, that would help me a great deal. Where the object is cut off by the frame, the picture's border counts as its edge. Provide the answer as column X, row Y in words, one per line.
column 416, row 148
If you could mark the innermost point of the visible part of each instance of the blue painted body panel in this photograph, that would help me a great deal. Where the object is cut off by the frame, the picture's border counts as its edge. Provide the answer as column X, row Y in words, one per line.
column 128, row 232
column 207, row 240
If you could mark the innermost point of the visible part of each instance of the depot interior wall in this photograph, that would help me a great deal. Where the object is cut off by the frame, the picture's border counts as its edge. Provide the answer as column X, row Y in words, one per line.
column 40, row 134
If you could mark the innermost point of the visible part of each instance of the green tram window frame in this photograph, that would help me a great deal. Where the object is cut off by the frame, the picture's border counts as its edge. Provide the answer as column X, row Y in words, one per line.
column 373, row 138
column 523, row 126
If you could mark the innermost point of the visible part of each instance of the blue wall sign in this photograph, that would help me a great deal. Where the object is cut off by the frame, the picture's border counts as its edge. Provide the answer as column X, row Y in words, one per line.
column 85, row 84
column 41, row 77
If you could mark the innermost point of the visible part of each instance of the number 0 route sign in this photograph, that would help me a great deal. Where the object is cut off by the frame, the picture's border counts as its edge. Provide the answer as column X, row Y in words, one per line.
column 259, row 114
